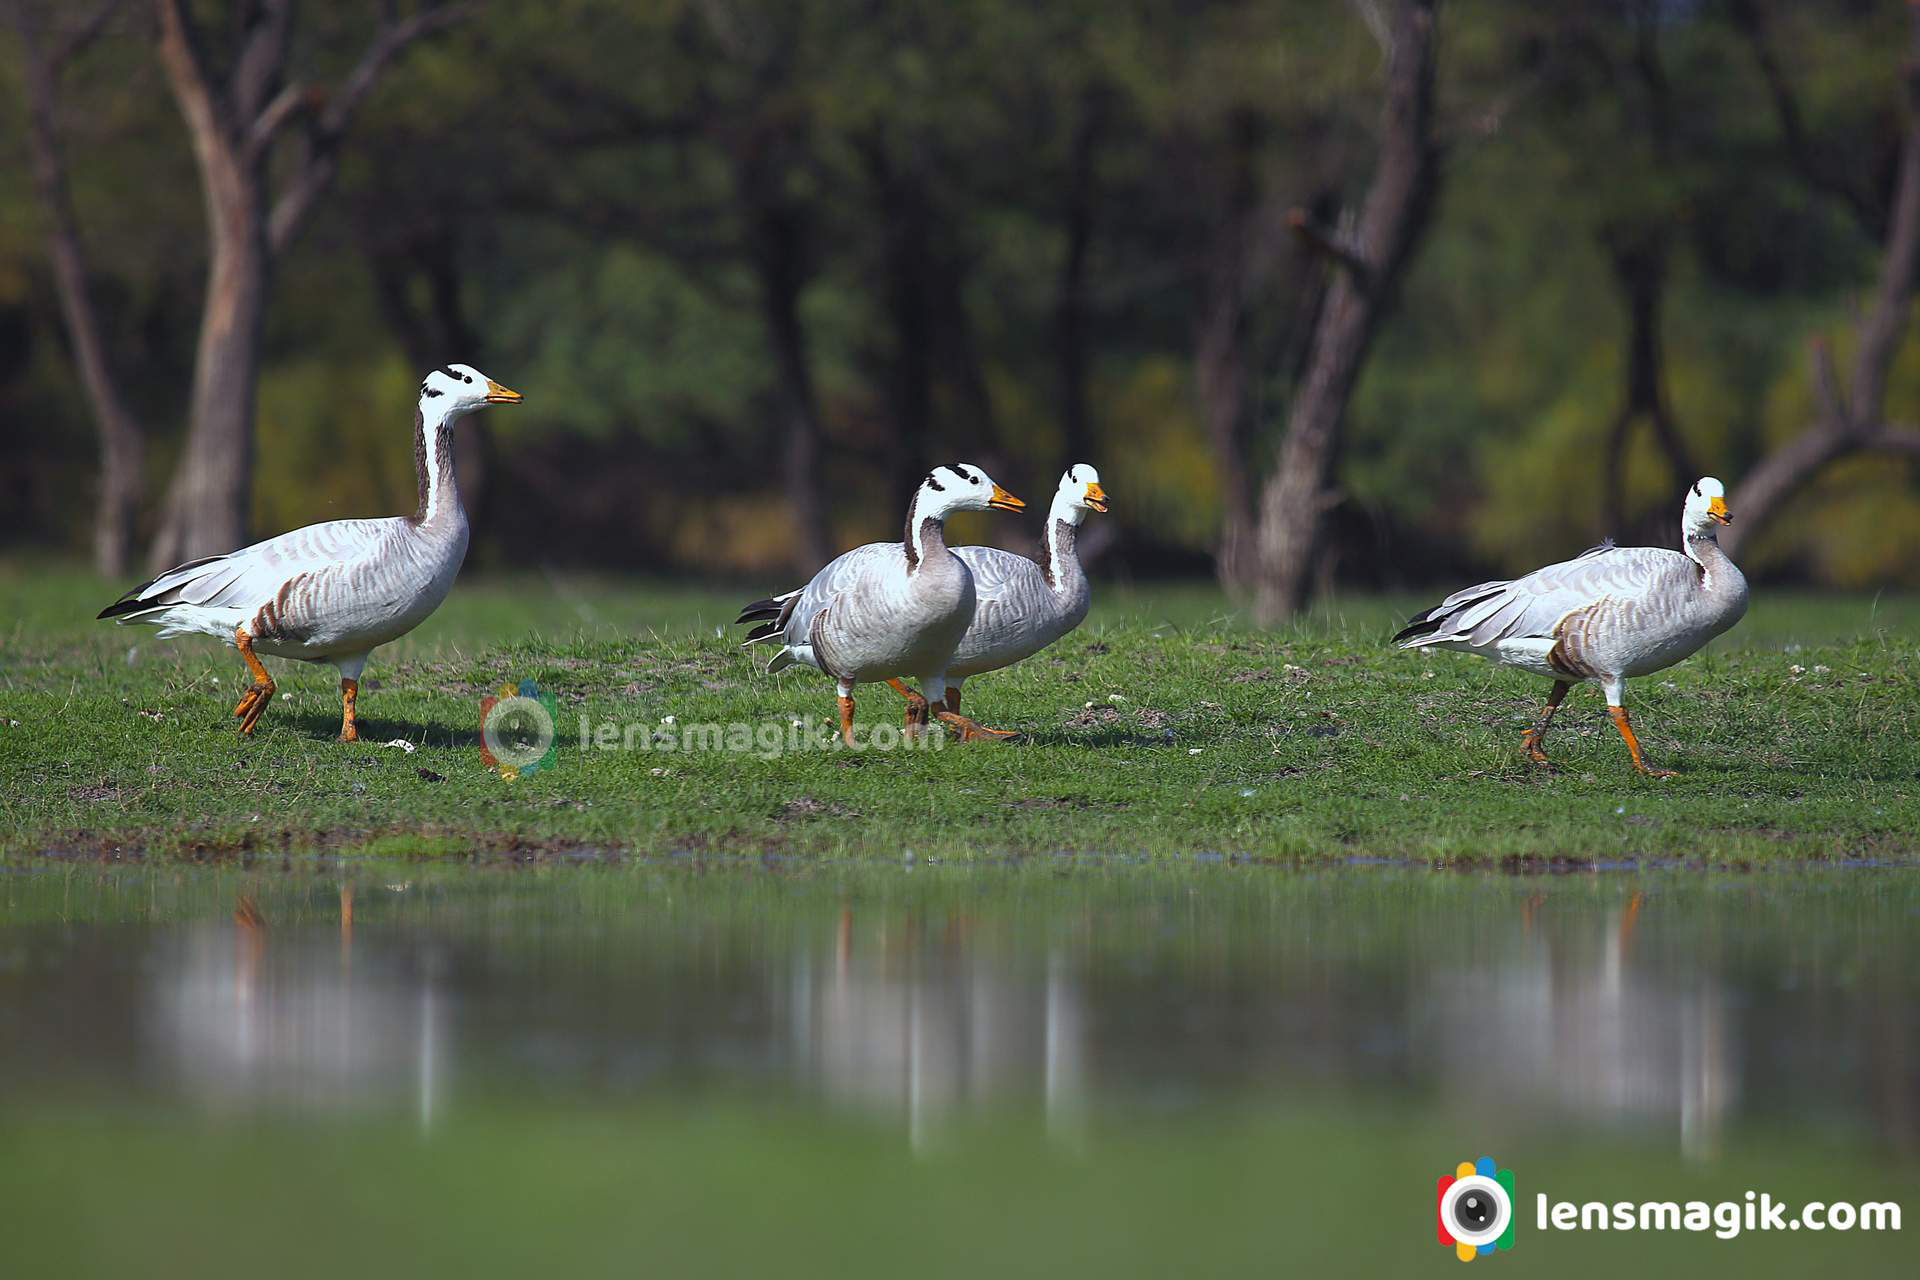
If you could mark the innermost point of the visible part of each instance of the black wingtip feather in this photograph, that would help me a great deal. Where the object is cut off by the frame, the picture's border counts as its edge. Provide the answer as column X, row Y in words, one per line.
column 759, row 611
column 762, row 631
column 130, row 602
column 1424, row 623
column 134, row 600
column 1414, row 632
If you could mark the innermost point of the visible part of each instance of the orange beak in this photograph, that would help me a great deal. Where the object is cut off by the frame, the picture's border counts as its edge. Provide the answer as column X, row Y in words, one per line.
column 1717, row 508
column 1096, row 497
column 1004, row 501
column 497, row 394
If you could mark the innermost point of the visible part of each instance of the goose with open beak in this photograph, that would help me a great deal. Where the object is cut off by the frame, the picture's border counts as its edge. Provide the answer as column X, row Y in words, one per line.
column 1612, row 613
column 889, row 611
column 332, row 592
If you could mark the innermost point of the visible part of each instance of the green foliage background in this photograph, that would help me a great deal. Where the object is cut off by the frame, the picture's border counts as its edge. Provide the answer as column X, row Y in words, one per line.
column 578, row 155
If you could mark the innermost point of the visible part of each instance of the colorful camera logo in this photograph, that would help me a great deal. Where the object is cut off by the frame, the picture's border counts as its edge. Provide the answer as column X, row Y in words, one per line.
column 516, row 730
column 1476, row 1209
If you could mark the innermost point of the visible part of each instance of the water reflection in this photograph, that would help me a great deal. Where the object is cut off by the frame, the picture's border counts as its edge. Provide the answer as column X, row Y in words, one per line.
column 1572, row 1019
column 1680, row 1013
column 243, row 1014
column 921, row 1025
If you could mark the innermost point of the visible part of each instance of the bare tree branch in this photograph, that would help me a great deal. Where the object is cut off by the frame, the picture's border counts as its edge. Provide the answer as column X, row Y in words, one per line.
column 1376, row 23
column 267, row 26
column 1826, row 386
column 1848, row 427
column 1330, row 244
column 317, row 170
column 1393, row 217
column 122, row 437
column 389, row 42
column 1752, row 22
column 1893, row 440
column 274, row 117
column 183, row 56
column 1886, row 321
column 76, row 41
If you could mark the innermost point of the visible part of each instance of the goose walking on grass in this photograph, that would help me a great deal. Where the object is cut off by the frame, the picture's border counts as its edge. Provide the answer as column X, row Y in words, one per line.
column 332, row 592
column 888, row 609
column 1021, row 607
column 1612, row 613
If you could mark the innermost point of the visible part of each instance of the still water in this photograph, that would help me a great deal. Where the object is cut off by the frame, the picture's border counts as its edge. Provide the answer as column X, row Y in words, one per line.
column 1082, row 1066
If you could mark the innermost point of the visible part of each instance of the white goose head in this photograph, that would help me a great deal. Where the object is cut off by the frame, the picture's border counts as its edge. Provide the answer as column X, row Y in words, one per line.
column 960, row 487
column 1706, row 509
column 461, row 388
column 1079, row 493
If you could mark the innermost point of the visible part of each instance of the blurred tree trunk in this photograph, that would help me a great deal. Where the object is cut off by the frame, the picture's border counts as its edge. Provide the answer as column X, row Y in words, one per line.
column 1220, row 357
column 1640, row 267
column 906, row 230
column 1070, row 311
column 1368, row 266
column 235, row 117
column 1852, row 422
column 416, row 278
column 769, row 150
column 122, row 439
column 779, row 252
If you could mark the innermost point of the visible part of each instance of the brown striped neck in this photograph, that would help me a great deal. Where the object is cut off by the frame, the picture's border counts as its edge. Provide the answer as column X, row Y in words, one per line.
column 1062, row 565
column 1704, row 550
column 926, row 536
column 433, row 472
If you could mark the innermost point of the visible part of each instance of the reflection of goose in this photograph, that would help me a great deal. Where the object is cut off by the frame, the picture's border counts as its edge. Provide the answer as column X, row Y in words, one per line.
column 906, row 1021
column 1600, row 1035
column 271, row 1017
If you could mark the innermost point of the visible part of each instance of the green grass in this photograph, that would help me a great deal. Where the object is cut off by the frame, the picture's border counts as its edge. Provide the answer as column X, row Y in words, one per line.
column 1164, row 726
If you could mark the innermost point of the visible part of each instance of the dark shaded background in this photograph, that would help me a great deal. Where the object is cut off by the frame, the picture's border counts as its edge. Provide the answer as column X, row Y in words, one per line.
column 701, row 236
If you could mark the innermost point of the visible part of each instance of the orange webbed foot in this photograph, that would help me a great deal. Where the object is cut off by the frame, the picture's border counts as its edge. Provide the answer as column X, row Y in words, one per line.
column 971, row 730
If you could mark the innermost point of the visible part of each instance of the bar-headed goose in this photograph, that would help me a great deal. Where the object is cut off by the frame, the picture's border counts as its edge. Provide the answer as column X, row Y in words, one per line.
column 887, row 609
column 332, row 592
column 1612, row 613
column 1021, row 607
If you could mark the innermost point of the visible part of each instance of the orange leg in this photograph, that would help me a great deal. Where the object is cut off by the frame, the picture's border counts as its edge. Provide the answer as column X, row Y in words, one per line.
column 970, row 730
column 915, row 719
column 254, row 703
column 1531, row 738
column 349, row 728
column 1619, row 715
column 846, row 718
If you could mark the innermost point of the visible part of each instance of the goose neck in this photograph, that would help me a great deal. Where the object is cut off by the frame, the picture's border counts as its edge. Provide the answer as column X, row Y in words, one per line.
column 439, row 490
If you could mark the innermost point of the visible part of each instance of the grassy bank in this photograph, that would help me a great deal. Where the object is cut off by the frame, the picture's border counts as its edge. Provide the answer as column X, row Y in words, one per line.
column 1164, row 726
